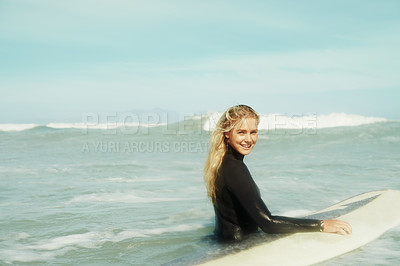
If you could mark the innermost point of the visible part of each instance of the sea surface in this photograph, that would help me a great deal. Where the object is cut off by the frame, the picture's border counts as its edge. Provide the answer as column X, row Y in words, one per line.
column 133, row 194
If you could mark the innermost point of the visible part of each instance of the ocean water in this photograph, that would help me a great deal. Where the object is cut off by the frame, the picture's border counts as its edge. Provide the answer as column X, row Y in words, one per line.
column 96, row 194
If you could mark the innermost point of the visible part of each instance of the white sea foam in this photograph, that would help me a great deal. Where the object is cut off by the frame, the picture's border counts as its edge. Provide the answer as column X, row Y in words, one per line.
column 342, row 120
column 46, row 249
column 119, row 197
column 301, row 122
column 17, row 127
column 211, row 121
column 267, row 122
column 67, row 125
column 95, row 239
column 128, row 234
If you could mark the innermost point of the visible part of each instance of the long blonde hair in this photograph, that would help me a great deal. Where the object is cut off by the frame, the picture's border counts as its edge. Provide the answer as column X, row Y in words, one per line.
column 229, row 119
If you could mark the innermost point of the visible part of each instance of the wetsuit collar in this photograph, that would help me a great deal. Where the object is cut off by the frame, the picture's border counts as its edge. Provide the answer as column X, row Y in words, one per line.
column 237, row 155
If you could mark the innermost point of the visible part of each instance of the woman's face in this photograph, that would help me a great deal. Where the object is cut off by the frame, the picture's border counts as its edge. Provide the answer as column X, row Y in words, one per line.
column 243, row 136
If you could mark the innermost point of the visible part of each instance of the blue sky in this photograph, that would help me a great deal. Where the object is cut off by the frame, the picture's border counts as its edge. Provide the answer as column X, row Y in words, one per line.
column 59, row 59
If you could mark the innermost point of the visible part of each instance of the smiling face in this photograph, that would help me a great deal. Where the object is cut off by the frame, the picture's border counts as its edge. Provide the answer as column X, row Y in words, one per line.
column 243, row 136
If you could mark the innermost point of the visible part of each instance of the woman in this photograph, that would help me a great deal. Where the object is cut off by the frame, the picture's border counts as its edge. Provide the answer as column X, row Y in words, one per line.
column 239, row 209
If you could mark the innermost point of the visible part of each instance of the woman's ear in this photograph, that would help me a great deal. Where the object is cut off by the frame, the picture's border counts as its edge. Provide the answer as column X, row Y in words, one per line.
column 226, row 135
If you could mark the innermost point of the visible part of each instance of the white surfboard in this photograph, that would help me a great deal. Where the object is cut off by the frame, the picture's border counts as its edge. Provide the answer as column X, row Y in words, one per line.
column 370, row 215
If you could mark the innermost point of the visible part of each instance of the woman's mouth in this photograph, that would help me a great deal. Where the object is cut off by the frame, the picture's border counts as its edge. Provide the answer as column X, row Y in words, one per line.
column 246, row 146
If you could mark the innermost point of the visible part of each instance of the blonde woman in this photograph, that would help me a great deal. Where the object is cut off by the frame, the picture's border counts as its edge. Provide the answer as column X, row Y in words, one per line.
column 238, row 206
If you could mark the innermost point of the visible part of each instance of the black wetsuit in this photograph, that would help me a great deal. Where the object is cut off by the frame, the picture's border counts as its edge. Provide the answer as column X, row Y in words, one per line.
column 238, row 206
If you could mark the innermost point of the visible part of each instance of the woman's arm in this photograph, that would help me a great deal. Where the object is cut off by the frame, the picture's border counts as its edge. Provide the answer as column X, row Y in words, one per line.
column 242, row 185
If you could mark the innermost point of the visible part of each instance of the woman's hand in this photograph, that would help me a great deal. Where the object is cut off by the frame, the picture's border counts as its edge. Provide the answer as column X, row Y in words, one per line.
column 337, row 226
